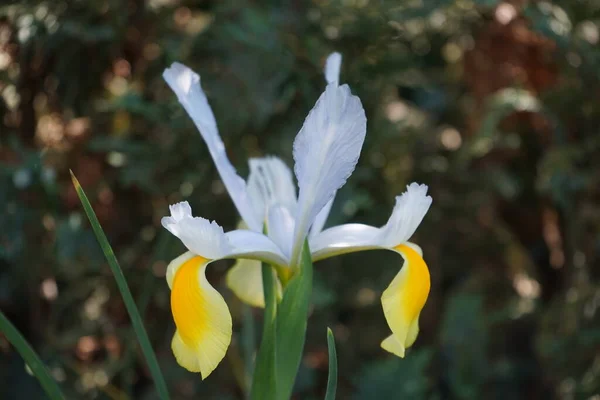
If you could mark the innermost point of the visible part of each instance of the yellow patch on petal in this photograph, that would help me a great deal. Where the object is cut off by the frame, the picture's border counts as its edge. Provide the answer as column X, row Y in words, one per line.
column 404, row 299
column 201, row 316
column 245, row 280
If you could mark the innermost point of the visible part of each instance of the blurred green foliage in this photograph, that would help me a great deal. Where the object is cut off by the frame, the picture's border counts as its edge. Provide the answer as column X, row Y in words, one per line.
column 493, row 104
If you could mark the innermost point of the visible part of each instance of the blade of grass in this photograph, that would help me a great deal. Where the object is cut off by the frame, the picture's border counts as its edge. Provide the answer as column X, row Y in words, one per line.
column 136, row 319
column 31, row 358
column 264, row 380
column 333, row 373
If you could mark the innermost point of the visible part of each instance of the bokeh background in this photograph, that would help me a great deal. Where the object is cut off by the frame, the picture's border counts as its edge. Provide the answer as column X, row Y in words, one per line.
column 493, row 104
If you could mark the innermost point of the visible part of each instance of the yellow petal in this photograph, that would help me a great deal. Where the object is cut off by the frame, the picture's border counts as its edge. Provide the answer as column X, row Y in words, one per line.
column 245, row 280
column 201, row 316
column 404, row 299
column 174, row 266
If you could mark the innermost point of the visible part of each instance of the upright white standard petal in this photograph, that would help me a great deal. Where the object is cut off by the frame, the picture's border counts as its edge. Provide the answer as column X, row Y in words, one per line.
column 332, row 76
column 326, row 151
column 186, row 85
column 270, row 182
column 332, row 68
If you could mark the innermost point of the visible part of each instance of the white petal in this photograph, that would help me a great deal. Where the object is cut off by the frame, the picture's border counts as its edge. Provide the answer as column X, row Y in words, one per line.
column 255, row 246
column 343, row 239
column 186, row 85
column 180, row 210
column 270, row 182
column 280, row 228
column 408, row 213
column 199, row 235
column 321, row 218
column 326, row 151
column 207, row 239
column 332, row 68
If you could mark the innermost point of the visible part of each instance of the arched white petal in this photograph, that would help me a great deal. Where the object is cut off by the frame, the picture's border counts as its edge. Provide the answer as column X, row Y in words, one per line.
column 411, row 206
column 186, row 85
column 255, row 246
column 332, row 68
column 326, row 151
column 343, row 239
column 207, row 239
column 408, row 213
column 270, row 182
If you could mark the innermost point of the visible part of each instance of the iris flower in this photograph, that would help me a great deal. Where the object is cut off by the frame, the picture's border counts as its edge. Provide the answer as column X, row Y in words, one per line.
column 325, row 152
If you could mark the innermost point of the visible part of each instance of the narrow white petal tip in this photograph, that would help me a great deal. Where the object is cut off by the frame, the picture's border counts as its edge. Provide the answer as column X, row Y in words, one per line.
column 410, row 209
column 180, row 78
column 198, row 234
column 332, row 68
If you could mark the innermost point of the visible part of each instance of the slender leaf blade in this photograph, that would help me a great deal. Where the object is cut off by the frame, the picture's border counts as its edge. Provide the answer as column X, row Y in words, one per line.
column 333, row 372
column 292, row 315
column 31, row 358
column 136, row 319
column 264, row 383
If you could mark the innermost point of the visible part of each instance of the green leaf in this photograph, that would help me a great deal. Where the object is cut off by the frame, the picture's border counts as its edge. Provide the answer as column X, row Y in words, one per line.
column 264, row 382
column 31, row 359
column 136, row 319
column 292, row 315
column 333, row 373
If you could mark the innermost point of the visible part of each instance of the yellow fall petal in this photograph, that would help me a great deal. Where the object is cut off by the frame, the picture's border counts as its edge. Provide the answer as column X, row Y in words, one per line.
column 201, row 316
column 404, row 299
column 245, row 280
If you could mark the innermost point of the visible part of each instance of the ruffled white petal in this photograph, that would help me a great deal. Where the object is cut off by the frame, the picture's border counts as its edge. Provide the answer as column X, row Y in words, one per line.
column 186, row 85
column 408, row 213
column 326, row 151
column 270, row 182
column 199, row 235
column 207, row 239
column 332, row 68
